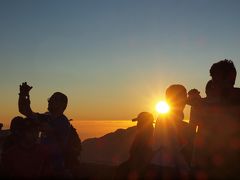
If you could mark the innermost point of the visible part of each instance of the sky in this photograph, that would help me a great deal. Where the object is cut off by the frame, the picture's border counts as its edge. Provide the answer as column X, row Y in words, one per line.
column 113, row 59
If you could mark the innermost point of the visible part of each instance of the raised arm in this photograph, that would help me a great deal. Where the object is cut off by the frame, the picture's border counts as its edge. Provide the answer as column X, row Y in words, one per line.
column 24, row 100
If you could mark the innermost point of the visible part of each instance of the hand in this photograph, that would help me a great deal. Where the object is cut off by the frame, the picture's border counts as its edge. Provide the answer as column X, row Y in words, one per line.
column 193, row 97
column 25, row 89
column 194, row 93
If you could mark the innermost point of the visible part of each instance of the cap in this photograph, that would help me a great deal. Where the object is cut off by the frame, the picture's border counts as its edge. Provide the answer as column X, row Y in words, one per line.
column 144, row 116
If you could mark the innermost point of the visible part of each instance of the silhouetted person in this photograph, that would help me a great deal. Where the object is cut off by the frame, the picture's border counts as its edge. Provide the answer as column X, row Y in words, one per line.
column 172, row 135
column 140, row 151
column 16, row 128
column 55, row 125
column 11, row 140
column 217, row 150
column 22, row 155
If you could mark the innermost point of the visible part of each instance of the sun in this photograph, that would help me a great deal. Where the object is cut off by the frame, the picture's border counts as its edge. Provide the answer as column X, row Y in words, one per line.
column 162, row 107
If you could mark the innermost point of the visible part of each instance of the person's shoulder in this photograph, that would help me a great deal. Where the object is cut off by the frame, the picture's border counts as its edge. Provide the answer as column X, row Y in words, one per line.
column 63, row 120
column 46, row 114
column 42, row 116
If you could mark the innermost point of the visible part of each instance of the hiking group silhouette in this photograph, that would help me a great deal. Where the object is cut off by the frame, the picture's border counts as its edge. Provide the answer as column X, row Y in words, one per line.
column 207, row 147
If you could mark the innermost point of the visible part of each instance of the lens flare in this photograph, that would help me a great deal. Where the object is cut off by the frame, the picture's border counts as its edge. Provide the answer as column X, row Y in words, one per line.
column 162, row 107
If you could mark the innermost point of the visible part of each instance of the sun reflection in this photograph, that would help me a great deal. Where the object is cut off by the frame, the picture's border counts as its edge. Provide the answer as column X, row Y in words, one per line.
column 162, row 107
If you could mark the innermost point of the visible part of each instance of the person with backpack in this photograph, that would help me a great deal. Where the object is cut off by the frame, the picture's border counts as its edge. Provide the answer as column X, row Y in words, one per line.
column 56, row 130
column 23, row 156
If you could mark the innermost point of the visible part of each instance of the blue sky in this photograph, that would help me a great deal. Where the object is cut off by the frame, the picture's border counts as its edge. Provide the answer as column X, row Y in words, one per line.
column 112, row 58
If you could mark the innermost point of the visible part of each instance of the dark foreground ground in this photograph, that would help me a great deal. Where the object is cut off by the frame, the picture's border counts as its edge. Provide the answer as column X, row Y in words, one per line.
column 95, row 171
column 99, row 171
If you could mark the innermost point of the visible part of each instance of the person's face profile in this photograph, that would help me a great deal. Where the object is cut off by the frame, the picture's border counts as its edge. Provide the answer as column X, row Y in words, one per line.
column 55, row 105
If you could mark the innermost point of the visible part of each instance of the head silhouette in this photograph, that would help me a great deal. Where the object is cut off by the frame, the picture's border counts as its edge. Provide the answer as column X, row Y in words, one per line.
column 144, row 119
column 176, row 96
column 57, row 103
column 223, row 74
column 209, row 89
column 212, row 91
column 17, row 125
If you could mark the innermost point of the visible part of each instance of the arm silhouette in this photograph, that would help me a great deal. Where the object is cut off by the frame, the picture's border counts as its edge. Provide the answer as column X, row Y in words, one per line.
column 24, row 100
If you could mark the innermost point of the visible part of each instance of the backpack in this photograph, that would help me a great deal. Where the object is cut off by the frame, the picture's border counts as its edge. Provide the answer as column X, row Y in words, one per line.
column 72, row 149
column 74, row 144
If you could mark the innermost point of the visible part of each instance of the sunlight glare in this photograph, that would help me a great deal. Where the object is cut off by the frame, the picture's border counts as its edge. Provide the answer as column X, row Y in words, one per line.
column 162, row 107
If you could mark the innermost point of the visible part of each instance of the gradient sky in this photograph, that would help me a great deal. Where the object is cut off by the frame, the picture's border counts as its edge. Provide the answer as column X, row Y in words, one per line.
column 112, row 58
